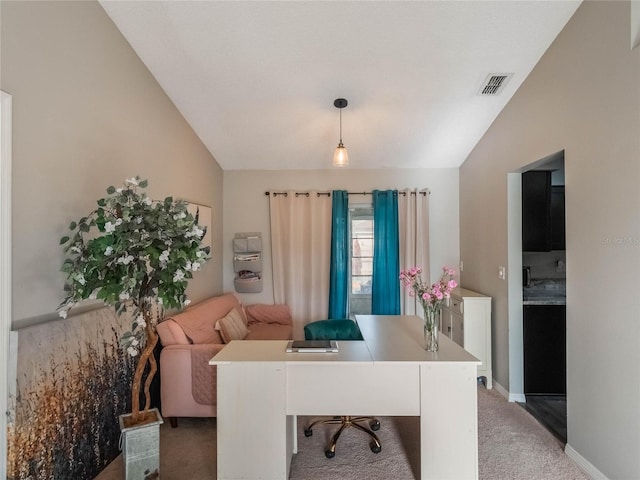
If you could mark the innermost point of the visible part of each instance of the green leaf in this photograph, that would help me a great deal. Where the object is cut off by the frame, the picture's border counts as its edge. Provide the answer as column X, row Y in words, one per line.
column 111, row 190
column 73, row 225
column 143, row 184
column 64, row 240
column 102, row 202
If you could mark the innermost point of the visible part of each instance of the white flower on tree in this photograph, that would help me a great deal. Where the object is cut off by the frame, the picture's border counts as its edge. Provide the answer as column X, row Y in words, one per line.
column 178, row 276
column 125, row 259
column 195, row 232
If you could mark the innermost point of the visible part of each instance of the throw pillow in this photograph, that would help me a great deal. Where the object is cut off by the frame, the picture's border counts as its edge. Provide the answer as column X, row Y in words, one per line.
column 232, row 327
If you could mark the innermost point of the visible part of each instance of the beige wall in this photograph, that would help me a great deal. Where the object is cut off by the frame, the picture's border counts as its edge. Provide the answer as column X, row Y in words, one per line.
column 583, row 97
column 87, row 114
column 247, row 208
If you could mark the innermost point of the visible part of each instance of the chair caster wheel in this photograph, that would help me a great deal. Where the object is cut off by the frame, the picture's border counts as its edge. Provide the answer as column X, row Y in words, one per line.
column 329, row 454
column 308, row 432
column 375, row 448
column 375, row 426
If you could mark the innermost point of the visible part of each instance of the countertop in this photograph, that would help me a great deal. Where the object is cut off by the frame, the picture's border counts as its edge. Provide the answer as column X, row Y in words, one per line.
column 545, row 292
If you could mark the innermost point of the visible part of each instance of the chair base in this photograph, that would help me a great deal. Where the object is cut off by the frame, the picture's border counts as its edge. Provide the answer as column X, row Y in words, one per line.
column 345, row 422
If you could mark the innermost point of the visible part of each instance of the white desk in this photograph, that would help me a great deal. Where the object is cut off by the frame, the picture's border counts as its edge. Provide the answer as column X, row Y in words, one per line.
column 261, row 388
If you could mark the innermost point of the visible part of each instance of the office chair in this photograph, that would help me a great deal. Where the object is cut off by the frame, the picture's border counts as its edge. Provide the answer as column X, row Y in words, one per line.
column 341, row 330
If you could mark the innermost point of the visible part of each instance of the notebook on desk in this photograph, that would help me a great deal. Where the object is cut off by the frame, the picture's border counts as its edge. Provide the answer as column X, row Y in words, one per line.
column 312, row 346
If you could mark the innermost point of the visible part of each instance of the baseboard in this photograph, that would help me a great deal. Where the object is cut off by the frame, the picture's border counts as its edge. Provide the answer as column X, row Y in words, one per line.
column 512, row 397
column 584, row 464
column 517, row 397
column 500, row 389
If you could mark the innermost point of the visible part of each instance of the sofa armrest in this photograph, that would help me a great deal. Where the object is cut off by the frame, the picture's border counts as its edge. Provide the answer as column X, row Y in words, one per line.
column 175, row 353
column 178, row 392
column 262, row 313
column 170, row 333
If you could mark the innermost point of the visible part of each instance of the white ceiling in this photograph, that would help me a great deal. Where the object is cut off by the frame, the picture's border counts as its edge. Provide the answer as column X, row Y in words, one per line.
column 257, row 80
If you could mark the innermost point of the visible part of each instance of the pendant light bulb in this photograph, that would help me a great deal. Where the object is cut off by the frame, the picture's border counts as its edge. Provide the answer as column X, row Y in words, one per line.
column 340, row 156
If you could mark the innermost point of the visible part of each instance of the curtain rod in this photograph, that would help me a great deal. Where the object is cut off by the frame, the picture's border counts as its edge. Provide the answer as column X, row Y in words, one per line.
column 328, row 194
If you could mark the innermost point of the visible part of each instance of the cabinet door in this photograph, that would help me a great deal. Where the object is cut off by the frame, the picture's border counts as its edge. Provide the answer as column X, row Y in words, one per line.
column 457, row 328
column 545, row 357
column 536, row 211
column 445, row 322
column 557, row 218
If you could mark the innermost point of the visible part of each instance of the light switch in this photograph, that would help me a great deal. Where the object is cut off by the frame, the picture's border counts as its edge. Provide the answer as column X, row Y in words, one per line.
column 502, row 272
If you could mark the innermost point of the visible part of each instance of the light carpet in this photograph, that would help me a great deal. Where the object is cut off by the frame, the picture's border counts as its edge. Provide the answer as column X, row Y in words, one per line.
column 512, row 445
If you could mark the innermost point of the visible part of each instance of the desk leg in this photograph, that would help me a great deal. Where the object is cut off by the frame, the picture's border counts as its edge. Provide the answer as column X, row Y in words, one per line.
column 252, row 427
column 448, row 422
column 293, row 431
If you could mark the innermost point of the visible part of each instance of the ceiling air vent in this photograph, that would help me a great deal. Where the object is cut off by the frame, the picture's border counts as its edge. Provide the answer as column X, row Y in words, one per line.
column 494, row 84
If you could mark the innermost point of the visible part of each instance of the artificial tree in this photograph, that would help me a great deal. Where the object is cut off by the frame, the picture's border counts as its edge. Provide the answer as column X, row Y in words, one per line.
column 136, row 255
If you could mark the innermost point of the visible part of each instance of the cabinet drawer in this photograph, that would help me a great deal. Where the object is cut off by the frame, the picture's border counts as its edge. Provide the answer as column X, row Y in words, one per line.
column 455, row 305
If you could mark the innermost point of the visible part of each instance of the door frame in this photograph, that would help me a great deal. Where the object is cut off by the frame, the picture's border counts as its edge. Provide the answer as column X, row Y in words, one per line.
column 5, row 269
column 514, row 286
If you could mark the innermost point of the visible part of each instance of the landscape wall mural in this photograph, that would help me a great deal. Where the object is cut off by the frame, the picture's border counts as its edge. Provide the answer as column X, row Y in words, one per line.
column 72, row 383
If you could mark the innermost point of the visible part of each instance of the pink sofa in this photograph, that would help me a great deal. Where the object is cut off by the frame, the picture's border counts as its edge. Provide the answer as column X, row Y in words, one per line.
column 192, row 337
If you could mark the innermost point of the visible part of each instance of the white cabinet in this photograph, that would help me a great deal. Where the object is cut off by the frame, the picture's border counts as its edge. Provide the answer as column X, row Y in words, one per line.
column 466, row 319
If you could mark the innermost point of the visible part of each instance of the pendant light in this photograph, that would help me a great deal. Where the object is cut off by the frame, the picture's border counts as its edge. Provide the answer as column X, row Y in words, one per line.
column 340, row 157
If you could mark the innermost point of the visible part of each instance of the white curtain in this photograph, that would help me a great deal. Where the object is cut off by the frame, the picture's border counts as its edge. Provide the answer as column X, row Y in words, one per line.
column 301, row 254
column 413, row 219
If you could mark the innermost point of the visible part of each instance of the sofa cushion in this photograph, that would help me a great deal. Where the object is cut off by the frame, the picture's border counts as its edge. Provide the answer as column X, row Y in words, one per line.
column 270, row 331
column 198, row 321
column 232, row 327
column 280, row 314
column 197, row 327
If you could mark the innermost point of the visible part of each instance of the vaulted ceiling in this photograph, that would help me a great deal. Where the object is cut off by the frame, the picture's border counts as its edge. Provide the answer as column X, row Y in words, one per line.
column 257, row 80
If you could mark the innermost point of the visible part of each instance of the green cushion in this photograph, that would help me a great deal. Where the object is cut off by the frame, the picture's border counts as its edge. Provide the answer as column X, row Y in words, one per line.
column 335, row 329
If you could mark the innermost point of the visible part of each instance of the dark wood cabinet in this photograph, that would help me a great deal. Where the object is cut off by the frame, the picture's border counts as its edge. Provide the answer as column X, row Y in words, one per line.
column 536, row 211
column 542, row 213
column 557, row 218
column 545, row 350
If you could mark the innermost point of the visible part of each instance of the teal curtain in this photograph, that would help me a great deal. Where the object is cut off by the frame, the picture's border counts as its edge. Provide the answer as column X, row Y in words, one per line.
column 385, row 286
column 339, row 271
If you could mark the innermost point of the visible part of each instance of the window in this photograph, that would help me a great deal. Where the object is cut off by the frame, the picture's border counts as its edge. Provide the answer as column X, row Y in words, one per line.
column 361, row 259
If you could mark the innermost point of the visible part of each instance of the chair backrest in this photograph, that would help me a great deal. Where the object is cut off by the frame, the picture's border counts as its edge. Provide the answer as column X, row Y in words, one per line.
column 334, row 329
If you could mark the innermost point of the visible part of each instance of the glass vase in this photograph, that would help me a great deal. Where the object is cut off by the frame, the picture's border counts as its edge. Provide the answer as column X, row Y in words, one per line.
column 431, row 324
